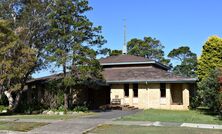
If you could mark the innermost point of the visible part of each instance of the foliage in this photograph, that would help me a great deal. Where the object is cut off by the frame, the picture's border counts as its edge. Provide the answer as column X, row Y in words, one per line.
column 27, row 32
column 73, row 43
column 209, row 91
column 187, row 59
column 81, row 109
column 150, row 48
column 195, row 101
column 115, row 52
column 15, row 58
column 3, row 108
column 211, row 57
column 3, row 100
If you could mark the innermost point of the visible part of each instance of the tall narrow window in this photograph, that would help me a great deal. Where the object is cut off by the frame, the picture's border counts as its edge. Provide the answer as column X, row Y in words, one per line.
column 126, row 90
column 135, row 90
column 162, row 90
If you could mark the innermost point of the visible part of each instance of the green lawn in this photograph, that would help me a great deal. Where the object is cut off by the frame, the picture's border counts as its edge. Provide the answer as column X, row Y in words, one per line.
column 118, row 129
column 46, row 117
column 173, row 116
column 20, row 126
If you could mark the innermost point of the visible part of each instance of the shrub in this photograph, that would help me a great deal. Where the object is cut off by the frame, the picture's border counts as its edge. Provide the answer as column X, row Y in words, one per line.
column 81, row 109
column 3, row 108
column 195, row 102
column 209, row 92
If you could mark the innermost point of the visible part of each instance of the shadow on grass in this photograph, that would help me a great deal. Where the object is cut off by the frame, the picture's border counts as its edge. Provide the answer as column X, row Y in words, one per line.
column 207, row 111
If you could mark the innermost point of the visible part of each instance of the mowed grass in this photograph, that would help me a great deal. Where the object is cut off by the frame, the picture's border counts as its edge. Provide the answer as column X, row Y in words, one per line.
column 173, row 116
column 118, row 129
column 20, row 126
column 46, row 117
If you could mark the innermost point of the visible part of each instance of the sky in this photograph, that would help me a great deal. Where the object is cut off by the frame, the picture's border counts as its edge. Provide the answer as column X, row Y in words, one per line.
column 174, row 22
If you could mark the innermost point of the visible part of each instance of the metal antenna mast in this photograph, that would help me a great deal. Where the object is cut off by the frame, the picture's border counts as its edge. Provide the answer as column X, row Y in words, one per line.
column 125, row 44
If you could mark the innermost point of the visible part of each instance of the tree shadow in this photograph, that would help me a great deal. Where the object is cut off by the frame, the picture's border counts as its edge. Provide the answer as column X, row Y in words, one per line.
column 207, row 111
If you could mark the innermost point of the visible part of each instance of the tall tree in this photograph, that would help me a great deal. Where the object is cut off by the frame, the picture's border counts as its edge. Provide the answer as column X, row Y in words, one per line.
column 187, row 59
column 150, row 48
column 29, row 23
column 75, row 43
column 211, row 57
column 16, row 60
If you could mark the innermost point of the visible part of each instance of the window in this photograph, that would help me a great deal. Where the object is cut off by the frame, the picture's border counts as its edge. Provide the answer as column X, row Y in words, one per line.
column 135, row 90
column 162, row 90
column 126, row 90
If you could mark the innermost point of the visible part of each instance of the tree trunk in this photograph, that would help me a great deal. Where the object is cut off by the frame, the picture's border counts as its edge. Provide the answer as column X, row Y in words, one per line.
column 16, row 101
column 13, row 103
column 66, row 98
column 66, row 103
column 10, row 99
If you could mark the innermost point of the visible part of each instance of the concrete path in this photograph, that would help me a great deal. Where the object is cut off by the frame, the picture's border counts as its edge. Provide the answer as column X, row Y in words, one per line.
column 169, row 124
column 79, row 125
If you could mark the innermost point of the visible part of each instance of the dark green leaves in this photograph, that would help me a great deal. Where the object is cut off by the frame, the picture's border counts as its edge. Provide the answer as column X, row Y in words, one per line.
column 150, row 48
column 187, row 59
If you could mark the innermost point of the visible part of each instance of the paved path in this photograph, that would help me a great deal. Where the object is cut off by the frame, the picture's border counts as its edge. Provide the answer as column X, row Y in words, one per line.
column 79, row 125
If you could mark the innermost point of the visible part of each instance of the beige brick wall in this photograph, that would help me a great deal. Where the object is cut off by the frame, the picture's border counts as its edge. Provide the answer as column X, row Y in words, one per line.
column 143, row 96
column 153, row 96
column 149, row 96
column 117, row 91
column 186, row 97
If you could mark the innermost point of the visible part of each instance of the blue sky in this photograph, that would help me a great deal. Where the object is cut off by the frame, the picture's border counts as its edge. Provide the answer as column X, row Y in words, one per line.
column 173, row 22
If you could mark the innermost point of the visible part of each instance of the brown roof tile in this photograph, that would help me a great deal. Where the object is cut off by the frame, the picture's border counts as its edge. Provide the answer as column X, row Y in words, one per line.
column 137, row 74
column 123, row 58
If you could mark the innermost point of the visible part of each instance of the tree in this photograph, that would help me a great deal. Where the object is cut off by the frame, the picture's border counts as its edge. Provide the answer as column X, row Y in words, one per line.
column 115, row 52
column 150, row 48
column 73, row 44
column 29, row 24
column 209, row 91
column 187, row 59
column 16, row 60
column 211, row 57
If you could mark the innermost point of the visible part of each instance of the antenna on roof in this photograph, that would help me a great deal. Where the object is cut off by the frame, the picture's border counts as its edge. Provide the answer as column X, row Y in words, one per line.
column 124, row 51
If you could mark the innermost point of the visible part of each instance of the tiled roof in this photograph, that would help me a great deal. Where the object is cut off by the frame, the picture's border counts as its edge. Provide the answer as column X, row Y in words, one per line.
column 142, row 74
column 123, row 58
column 129, row 60
column 135, row 73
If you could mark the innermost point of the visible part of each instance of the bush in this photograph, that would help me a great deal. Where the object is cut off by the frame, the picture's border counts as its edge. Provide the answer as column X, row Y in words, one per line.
column 220, row 100
column 3, row 108
column 195, row 102
column 81, row 109
column 209, row 92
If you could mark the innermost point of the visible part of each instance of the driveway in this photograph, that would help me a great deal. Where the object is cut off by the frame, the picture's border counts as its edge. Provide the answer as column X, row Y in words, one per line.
column 79, row 125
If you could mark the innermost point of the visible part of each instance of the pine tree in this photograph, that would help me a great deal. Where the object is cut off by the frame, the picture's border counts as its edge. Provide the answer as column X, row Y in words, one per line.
column 149, row 47
column 187, row 59
column 73, row 44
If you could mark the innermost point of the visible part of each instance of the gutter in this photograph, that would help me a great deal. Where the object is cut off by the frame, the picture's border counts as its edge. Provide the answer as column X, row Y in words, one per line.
column 192, row 80
column 132, row 63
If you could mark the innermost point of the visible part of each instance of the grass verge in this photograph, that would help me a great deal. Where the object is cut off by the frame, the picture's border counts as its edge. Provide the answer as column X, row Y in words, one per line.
column 118, row 129
column 173, row 116
column 46, row 117
column 20, row 126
